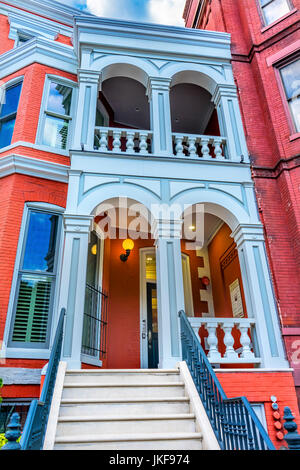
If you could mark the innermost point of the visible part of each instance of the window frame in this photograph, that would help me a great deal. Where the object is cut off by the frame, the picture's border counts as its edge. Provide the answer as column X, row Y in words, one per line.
column 44, row 113
column 263, row 17
column 277, row 68
column 19, row 351
column 10, row 84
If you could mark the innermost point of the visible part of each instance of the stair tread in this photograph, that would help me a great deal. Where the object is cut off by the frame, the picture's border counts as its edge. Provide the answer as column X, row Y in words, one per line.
column 123, row 400
column 129, row 437
column 66, row 419
column 122, row 385
column 122, row 371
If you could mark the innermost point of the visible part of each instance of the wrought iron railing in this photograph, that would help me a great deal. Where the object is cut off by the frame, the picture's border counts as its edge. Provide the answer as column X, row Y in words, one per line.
column 35, row 427
column 233, row 420
column 94, row 323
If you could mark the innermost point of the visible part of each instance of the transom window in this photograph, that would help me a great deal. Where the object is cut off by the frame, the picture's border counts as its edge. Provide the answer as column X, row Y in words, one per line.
column 8, row 113
column 274, row 9
column 291, row 81
column 57, row 116
column 36, row 281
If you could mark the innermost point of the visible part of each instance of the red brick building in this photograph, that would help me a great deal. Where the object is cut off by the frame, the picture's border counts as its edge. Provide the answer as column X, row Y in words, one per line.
column 266, row 65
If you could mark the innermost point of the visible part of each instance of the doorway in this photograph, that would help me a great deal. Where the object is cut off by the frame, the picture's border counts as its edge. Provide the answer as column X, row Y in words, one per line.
column 152, row 326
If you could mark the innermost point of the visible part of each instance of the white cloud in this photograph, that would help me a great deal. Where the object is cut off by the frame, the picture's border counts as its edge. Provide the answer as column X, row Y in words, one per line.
column 166, row 11
column 158, row 11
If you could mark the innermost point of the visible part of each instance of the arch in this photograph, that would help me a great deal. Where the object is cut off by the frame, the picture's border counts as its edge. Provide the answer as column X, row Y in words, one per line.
column 124, row 66
column 202, row 75
column 216, row 203
column 103, row 193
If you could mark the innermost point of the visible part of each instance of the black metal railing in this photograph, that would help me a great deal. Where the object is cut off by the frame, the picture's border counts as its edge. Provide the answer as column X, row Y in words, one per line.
column 36, row 423
column 94, row 323
column 233, row 420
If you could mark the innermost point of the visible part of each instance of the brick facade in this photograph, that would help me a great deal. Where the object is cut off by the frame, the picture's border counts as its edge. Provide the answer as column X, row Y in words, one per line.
column 274, row 145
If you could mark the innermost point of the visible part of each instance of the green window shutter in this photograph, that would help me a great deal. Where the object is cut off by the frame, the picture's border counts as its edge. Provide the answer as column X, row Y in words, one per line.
column 32, row 310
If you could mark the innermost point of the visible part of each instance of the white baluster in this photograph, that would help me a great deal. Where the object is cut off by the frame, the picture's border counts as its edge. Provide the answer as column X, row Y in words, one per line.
column 245, row 342
column 103, row 140
column 205, row 147
column 192, row 146
column 130, row 141
column 117, row 141
column 229, row 341
column 218, row 149
column 179, row 146
column 143, row 143
column 212, row 341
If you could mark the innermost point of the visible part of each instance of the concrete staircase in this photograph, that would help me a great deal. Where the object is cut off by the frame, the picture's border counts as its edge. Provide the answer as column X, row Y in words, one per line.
column 122, row 410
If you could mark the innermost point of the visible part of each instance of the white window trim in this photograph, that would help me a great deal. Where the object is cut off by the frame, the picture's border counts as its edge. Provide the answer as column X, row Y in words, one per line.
column 42, row 117
column 32, row 353
column 261, row 414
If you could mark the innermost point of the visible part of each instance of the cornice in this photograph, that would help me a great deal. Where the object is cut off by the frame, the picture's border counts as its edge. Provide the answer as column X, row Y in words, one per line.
column 274, row 172
column 55, row 11
column 11, row 164
column 40, row 50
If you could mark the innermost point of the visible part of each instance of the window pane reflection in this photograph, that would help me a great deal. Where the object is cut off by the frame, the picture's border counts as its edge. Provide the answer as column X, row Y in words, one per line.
column 55, row 132
column 59, row 100
column 275, row 10
column 11, row 100
column 6, row 132
column 41, row 242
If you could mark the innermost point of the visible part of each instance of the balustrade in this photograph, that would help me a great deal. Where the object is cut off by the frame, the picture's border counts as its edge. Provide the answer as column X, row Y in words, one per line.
column 215, row 344
column 118, row 140
column 199, row 146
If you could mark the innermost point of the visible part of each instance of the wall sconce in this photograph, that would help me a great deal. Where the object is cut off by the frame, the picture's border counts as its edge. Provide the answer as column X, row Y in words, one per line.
column 128, row 246
column 94, row 249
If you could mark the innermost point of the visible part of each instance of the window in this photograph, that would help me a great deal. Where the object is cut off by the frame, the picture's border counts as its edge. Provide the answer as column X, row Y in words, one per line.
column 36, row 281
column 290, row 75
column 274, row 9
column 8, row 113
column 57, row 116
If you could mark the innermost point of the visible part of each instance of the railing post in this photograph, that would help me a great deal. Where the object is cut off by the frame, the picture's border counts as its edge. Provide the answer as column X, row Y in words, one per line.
column 13, row 433
column 292, row 437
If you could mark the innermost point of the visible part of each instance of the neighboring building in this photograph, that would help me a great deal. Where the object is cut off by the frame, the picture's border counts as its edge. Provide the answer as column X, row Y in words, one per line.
column 102, row 121
column 266, row 67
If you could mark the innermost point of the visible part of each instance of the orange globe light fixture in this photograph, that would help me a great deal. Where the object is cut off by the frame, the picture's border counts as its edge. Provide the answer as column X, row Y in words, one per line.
column 128, row 246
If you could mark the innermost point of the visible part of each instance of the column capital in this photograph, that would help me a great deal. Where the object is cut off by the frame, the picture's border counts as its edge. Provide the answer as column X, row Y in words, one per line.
column 158, row 83
column 167, row 229
column 248, row 232
column 228, row 91
column 89, row 76
column 80, row 224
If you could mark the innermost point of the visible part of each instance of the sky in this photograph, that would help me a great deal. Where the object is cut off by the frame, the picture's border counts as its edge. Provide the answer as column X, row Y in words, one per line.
column 153, row 11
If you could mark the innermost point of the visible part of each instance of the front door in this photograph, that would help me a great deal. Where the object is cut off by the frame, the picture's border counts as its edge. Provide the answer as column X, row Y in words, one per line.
column 152, row 326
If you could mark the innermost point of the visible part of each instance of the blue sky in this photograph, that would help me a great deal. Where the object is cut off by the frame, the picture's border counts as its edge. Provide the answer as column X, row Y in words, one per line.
column 153, row 11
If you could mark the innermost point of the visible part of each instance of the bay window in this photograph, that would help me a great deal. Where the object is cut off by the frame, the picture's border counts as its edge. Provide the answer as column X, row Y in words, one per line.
column 57, row 115
column 290, row 75
column 36, row 281
column 8, row 112
column 274, row 9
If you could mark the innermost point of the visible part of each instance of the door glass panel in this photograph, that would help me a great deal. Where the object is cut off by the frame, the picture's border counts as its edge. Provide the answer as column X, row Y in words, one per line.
column 154, row 311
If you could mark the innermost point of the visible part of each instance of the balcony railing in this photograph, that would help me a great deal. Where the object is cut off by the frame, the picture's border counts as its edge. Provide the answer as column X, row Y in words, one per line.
column 199, row 146
column 136, row 141
column 116, row 140
column 221, row 351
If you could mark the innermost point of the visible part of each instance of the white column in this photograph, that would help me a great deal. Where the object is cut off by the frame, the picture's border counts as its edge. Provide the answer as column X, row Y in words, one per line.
column 170, row 293
column 259, row 294
column 230, row 120
column 158, row 92
column 89, row 83
column 72, row 288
